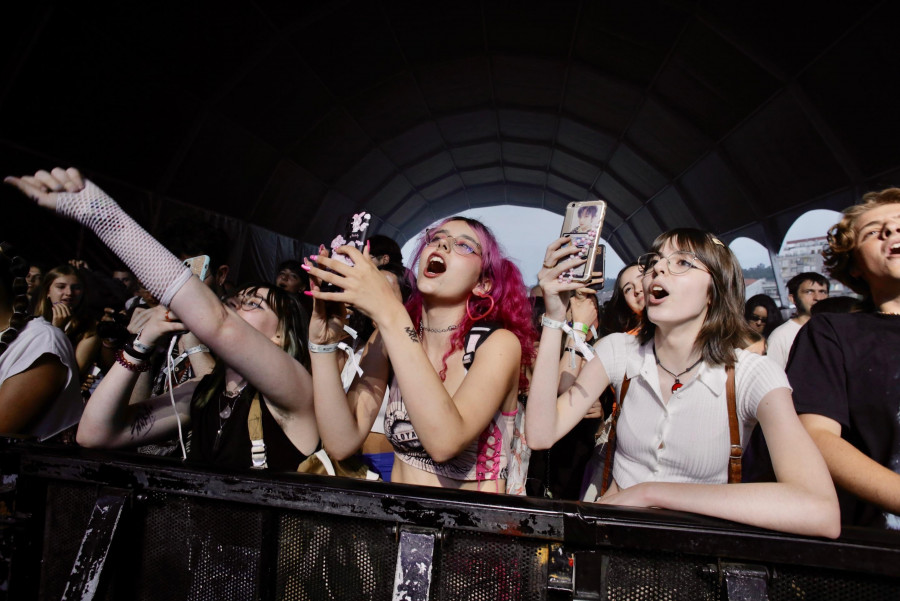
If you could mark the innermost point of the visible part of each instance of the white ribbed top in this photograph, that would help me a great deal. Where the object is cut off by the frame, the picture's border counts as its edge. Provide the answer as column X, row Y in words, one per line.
column 687, row 439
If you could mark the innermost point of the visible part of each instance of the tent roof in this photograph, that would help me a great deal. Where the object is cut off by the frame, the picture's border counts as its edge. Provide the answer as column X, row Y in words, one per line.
column 734, row 117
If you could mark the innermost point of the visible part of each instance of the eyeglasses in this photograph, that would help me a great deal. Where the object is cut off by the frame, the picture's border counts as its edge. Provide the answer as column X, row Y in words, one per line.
column 460, row 246
column 679, row 262
column 247, row 303
column 757, row 319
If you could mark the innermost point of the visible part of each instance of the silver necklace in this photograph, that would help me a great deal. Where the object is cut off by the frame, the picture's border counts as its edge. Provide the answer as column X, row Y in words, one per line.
column 422, row 329
column 226, row 411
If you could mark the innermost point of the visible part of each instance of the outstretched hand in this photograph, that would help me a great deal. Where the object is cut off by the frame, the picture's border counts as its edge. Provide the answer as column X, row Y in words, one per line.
column 326, row 324
column 42, row 187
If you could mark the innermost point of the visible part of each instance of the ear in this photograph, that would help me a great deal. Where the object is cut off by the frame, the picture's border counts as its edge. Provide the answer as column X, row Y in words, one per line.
column 791, row 298
column 221, row 275
column 483, row 288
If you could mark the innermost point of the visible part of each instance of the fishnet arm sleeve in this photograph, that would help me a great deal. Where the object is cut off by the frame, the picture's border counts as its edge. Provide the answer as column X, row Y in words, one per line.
column 156, row 268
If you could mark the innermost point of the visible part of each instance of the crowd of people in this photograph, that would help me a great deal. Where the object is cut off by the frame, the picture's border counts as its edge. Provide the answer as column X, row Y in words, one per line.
column 449, row 373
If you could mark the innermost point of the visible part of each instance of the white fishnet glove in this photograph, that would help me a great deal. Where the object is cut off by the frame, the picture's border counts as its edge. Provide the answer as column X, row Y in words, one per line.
column 156, row 268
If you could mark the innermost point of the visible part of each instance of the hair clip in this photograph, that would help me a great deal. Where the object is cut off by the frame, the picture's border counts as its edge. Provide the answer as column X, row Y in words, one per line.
column 716, row 240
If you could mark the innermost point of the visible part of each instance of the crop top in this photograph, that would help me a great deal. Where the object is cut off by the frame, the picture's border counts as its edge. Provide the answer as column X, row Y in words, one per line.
column 484, row 459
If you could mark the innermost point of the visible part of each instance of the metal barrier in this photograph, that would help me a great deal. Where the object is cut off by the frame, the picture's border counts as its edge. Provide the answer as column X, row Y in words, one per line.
column 89, row 525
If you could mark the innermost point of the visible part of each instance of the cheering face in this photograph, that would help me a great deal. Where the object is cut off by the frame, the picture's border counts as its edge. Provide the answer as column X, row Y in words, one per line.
column 254, row 309
column 66, row 289
column 450, row 263
column 676, row 288
column 289, row 280
column 876, row 257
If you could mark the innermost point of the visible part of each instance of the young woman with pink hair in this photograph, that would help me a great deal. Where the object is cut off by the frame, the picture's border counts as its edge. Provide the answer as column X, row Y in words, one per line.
column 451, row 411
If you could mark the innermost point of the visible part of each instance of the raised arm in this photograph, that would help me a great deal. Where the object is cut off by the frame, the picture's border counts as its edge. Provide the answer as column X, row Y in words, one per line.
column 283, row 381
column 445, row 424
column 26, row 395
column 552, row 411
column 109, row 421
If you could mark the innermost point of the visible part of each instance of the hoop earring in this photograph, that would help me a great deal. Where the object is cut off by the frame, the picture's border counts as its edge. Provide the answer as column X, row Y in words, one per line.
column 486, row 313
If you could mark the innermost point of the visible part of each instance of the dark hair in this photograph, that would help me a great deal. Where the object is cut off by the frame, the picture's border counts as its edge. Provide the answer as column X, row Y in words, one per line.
column 773, row 313
column 296, row 267
column 724, row 328
column 842, row 240
column 292, row 322
column 837, row 304
column 81, row 323
column 588, row 209
column 617, row 315
column 795, row 282
column 13, row 288
column 380, row 245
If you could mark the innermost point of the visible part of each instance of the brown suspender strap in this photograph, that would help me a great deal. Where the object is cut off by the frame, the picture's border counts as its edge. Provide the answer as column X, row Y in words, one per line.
column 734, row 458
column 611, row 440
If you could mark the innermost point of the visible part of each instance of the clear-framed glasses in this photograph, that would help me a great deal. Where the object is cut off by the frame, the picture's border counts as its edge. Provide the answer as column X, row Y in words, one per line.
column 461, row 246
column 679, row 262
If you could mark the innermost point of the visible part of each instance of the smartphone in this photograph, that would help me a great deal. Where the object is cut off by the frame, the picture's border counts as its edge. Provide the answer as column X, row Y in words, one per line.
column 599, row 265
column 198, row 265
column 582, row 224
column 355, row 234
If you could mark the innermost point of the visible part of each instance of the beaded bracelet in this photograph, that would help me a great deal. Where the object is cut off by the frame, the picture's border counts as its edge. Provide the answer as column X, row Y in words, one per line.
column 135, row 367
column 321, row 348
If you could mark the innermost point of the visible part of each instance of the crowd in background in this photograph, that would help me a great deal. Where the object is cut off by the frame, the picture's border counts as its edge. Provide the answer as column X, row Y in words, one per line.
column 448, row 372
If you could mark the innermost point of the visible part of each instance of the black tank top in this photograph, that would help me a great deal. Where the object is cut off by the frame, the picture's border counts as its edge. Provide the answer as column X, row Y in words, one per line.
column 233, row 448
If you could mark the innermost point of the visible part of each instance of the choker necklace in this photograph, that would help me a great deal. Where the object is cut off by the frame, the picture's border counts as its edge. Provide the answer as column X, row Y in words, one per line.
column 677, row 383
column 422, row 329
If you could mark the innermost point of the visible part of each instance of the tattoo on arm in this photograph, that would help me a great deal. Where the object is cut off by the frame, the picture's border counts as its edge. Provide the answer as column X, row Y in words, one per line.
column 412, row 334
column 143, row 421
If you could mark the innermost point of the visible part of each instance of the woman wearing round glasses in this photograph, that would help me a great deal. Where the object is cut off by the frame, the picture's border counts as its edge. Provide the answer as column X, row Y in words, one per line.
column 450, row 411
column 672, row 434
column 260, row 377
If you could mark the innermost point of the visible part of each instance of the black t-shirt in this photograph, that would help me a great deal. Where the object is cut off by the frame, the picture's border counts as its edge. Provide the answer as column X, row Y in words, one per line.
column 845, row 367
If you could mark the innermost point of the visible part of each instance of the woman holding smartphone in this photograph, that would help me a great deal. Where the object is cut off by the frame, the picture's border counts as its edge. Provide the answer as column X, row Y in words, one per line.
column 449, row 421
column 672, row 433
column 255, row 373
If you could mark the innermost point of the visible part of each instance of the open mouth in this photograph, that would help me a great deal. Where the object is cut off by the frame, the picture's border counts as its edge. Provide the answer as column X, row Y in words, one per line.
column 894, row 250
column 435, row 265
column 658, row 292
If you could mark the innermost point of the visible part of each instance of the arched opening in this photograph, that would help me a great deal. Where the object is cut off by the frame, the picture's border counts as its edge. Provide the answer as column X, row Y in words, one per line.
column 801, row 249
column 756, row 263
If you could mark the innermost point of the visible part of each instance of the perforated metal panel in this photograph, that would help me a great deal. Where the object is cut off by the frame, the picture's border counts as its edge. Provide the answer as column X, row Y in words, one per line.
column 321, row 558
column 482, row 567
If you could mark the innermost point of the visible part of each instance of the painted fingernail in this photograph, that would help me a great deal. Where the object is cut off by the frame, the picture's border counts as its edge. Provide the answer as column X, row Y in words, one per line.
column 305, row 266
column 367, row 245
column 307, row 293
column 313, row 257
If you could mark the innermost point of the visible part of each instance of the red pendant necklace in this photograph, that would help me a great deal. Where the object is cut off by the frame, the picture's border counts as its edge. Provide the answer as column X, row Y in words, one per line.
column 677, row 383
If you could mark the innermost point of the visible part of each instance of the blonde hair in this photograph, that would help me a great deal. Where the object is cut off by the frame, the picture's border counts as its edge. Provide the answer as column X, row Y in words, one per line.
column 842, row 240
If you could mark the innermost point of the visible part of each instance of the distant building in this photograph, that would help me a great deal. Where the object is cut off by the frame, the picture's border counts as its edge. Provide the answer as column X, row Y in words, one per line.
column 798, row 256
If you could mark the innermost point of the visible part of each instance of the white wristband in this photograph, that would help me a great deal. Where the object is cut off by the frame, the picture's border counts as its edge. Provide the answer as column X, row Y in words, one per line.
column 552, row 323
column 321, row 348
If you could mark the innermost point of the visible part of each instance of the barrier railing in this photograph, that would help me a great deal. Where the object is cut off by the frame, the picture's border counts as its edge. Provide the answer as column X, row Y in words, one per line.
column 88, row 525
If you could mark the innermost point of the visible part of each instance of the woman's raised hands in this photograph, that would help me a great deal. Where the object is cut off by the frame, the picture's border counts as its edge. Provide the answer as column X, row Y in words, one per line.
column 42, row 187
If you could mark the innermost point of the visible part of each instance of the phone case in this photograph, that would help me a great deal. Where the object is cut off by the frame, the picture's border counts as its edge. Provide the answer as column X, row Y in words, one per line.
column 199, row 265
column 356, row 234
column 583, row 223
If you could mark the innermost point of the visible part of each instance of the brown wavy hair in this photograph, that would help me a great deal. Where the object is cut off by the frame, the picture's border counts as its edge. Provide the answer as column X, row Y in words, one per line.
column 724, row 328
column 81, row 324
column 842, row 240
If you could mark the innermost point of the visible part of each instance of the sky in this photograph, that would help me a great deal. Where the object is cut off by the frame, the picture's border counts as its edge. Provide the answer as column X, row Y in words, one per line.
column 524, row 234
